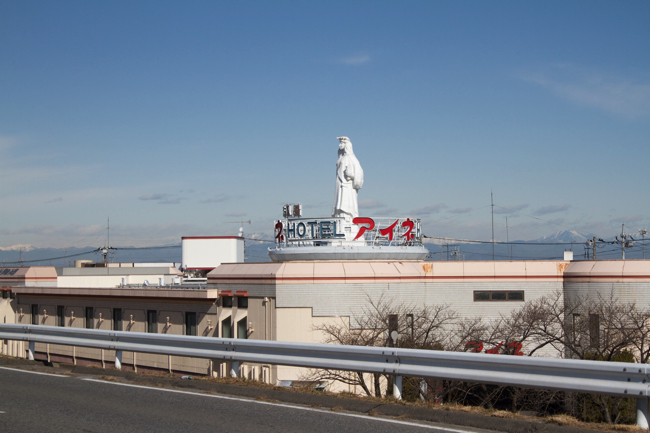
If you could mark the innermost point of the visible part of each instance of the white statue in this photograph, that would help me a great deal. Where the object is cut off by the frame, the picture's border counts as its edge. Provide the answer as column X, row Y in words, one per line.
column 349, row 180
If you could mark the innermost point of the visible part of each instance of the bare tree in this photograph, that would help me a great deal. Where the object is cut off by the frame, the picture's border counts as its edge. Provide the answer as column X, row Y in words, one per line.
column 419, row 328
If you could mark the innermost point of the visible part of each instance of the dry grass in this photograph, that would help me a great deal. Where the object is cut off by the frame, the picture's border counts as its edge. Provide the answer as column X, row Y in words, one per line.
column 266, row 398
column 108, row 378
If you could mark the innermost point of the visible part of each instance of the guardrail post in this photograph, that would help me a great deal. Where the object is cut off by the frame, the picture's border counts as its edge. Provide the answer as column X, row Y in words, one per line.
column 234, row 369
column 642, row 413
column 118, row 359
column 397, row 387
column 30, row 351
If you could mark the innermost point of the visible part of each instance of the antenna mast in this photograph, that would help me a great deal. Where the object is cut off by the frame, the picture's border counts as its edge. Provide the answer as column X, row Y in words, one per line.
column 492, row 204
column 241, row 231
column 508, row 238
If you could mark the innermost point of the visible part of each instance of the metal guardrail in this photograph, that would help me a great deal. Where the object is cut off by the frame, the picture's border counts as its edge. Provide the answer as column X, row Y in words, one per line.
column 598, row 377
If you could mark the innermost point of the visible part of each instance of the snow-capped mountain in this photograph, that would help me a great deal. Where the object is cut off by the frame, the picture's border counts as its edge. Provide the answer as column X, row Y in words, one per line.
column 565, row 236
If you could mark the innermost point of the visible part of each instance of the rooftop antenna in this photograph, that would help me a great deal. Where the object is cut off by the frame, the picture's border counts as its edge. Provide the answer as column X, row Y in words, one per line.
column 241, row 225
column 241, row 231
column 492, row 204
column 108, row 242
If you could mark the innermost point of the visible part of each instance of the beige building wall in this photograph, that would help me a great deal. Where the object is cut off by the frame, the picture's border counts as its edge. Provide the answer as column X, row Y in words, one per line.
column 7, row 315
column 257, row 317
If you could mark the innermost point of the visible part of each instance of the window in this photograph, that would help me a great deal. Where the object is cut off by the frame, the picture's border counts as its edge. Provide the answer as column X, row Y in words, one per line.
column 594, row 330
column 34, row 314
column 226, row 328
column 152, row 321
column 117, row 319
column 576, row 323
column 5, row 293
column 410, row 323
column 498, row 296
column 60, row 315
column 190, row 323
column 242, row 302
column 226, row 301
column 481, row 296
column 393, row 325
column 242, row 329
column 89, row 317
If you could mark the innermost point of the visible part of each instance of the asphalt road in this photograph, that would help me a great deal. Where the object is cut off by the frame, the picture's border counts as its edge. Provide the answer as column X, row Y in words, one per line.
column 42, row 402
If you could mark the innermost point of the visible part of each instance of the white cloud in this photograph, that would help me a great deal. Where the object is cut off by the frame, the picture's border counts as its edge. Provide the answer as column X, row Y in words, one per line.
column 552, row 209
column 386, row 212
column 7, row 142
column 18, row 247
column 78, row 235
column 594, row 89
column 155, row 196
column 162, row 198
column 509, row 209
column 370, row 204
column 428, row 210
column 217, row 199
column 355, row 60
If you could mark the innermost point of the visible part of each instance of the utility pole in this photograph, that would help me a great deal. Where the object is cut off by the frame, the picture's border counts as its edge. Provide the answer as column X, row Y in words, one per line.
column 508, row 238
column 624, row 241
column 450, row 245
column 492, row 204
column 594, row 247
column 108, row 241
column 643, row 233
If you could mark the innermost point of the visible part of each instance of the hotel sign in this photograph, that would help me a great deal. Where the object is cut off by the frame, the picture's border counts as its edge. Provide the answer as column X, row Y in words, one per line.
column 303, row 229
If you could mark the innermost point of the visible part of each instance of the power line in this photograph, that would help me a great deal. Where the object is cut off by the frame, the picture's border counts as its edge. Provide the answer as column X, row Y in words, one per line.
column 469, row 241
column 55, row 258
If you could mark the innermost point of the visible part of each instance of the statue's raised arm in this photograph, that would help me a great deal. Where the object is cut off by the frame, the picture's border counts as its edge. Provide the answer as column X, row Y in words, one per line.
column 349, row 180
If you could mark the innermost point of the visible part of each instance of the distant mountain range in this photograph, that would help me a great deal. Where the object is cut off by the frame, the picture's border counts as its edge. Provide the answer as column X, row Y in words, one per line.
column 564, row 236
column 257, row 245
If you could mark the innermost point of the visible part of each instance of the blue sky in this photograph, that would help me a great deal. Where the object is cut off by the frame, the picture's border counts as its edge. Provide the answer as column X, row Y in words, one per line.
column 175, row 118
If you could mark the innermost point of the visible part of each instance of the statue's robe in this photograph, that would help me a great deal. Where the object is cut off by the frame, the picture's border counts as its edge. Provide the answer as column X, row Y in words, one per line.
column 349, row 179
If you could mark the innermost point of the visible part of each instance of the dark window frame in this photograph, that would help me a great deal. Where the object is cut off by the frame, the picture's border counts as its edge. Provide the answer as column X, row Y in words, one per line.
column 60, row 315
column 226, row 301
column 242, row 302
column 117, row 319
column 34, row 314
column 506, row 293
column 152, row 321
column 89, row 319
column 242, row 335
column 190, row 324
column 226, row 324
column 594, row 330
